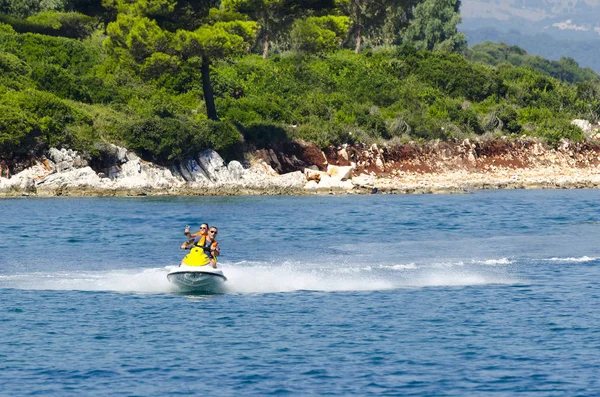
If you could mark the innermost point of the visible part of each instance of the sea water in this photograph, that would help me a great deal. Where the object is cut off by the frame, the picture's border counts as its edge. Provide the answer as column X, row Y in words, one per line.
column 491, row 293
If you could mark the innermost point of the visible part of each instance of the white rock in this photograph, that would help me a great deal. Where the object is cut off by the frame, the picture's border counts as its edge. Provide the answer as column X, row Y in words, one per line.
column 77, row 178
column 364, row 180
column 311, row 185
column 134, row 173
column 195, row 172
column 340, row 173
column 585, row 125
column 236, row 170
column 346, row 185
column 213, row 165
column 328, row 182
column 290, row 180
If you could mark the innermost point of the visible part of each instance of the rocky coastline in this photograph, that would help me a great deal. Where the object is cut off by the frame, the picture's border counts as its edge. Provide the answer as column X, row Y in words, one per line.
column 302, row 169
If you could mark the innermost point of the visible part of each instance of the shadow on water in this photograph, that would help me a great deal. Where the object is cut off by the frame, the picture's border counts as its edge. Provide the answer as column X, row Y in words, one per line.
column 198, row 294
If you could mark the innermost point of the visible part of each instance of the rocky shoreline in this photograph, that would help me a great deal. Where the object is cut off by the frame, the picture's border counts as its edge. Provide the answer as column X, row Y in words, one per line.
column 302, row 169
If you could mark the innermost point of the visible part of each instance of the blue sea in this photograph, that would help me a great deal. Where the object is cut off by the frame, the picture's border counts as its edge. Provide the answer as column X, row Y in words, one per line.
column 493, row 293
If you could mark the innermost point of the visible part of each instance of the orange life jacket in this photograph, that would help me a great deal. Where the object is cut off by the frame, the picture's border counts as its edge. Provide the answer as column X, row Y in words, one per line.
column 207, row 248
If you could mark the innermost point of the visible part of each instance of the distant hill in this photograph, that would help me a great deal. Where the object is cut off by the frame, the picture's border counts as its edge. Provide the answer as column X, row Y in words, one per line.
column 585, row 52
column 552, row 29
column 565, row 69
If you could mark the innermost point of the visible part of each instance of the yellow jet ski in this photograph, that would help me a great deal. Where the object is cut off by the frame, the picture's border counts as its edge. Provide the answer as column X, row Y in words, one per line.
column 196, row 257
column 195, row 274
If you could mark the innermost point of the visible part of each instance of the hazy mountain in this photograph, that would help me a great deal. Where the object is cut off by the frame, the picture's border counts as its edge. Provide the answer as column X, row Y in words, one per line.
column 550, row 28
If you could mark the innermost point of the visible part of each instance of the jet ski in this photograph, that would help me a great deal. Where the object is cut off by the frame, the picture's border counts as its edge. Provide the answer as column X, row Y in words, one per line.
column 195, row 274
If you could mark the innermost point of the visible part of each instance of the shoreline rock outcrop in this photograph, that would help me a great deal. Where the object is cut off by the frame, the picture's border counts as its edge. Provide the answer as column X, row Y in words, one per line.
column 436, row 167
column 64, row 173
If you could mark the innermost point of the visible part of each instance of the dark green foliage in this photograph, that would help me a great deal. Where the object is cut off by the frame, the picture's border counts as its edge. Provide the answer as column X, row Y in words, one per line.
column 26, row 8
column 157, row 139
column 51, row 121
column 526, row 86
column 14, row 73
column 52, row 23
column 455, row 113
column 457, row 77
column 60, row 82
column 219, row 135
column 508, row 116
column 69, row 54
column 46, row 105
column 262, row 135
column 100, row 91
column 164, row 139
column 11, row 65
column 555, row 130
column 52, row 115
column 251, row 110
column 17, row 131
column 93, row 8
column 344, row 97
column 314, row 35
column 325, row 133
column 434, row 27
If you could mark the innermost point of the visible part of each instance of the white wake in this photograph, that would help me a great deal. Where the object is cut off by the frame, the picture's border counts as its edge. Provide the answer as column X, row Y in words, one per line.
column 256, row 277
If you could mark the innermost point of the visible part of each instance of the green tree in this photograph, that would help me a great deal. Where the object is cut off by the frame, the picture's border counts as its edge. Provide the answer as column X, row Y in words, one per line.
column 319, row 34
column 93, row 8
column 217, row 41
column 434, row 27
column 26, row 8
column 274, row 16
column 372, row 18
column 135, row 39
column 361, row 12
column 168, row 14
column 397, row 16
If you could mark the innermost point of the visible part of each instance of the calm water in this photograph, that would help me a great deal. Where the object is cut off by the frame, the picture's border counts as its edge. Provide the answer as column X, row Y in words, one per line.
column 493, row 293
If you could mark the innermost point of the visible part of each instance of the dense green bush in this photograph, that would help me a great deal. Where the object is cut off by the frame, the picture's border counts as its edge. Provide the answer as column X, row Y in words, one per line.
column 14, row 73
column 60, row 82
column 17, row 131
column 69, row 54
column 48, row 117
column 555, row 130
column 164, row 139
column 457, row 77
column 262, row 135
column 52, row 23
column 324, row 133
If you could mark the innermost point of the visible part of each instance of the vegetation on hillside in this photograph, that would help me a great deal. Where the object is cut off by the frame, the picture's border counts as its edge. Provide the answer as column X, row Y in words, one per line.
column 565, row 69
column 168, row 78
column 585, row 51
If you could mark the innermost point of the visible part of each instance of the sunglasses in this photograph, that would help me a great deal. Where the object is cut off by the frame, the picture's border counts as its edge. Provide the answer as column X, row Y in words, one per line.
column 202, row 228
column 213, row 231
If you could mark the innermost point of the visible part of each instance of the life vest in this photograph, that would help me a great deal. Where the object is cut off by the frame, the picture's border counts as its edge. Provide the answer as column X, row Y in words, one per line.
column 206, row 245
